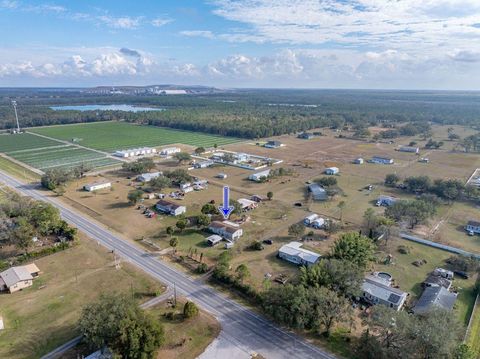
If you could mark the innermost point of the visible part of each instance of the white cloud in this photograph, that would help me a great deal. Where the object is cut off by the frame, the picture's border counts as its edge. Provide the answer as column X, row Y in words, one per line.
column 9, row 4
column 159, row 22
column 198, row 33
column 124, row 22
column 407, row 25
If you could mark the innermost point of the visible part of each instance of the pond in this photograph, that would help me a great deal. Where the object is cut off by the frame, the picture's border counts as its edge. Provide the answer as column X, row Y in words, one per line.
column 126, row 108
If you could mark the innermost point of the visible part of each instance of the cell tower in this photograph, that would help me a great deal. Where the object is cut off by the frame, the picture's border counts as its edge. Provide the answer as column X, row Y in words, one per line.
column 14, row 104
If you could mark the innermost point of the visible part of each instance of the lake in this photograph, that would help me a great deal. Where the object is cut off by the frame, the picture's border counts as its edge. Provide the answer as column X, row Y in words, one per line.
column 126, row 108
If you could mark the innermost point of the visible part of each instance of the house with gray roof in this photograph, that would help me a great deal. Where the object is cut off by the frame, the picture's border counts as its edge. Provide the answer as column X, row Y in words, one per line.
column 294, row 253
column 435, row 297
column 376, row 290
column 16, row 278
column 318, row 192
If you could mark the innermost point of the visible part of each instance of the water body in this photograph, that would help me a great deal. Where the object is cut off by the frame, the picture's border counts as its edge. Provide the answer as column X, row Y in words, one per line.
column 126, row 108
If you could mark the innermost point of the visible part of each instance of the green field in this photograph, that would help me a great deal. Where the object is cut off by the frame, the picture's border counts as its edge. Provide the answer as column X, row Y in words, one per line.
column 111, row 136
column 43, row 153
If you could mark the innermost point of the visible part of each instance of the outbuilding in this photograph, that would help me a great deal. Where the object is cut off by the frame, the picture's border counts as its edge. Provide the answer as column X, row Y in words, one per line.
column 410, row 149
column 95, row 186
column 214, row 239
column 273, row 144
column 168, row 151
column 382, row 160
column 332, row 171
column 309, row 219
column 358, row 161
column 434, row 297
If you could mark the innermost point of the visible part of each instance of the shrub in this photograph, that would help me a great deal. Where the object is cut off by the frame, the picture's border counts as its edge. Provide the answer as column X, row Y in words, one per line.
column 190, row 310
column 202, row 268
column 403, row 249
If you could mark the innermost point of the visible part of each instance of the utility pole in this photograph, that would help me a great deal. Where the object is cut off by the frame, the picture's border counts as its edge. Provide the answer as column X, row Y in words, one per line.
column 174, row 295
column 14, row 104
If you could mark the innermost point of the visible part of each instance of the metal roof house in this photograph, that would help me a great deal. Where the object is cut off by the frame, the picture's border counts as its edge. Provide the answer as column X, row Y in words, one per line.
column 147, row 177
column 411, row 149
column 382, row 160
column 229, row 230
column 377, row 291
column 293, row 253
column 432, row 297
column 170, row 207
column 473, row 226
column 95, row 186
column 18, row 278
column 318, row 193
column 257, row 177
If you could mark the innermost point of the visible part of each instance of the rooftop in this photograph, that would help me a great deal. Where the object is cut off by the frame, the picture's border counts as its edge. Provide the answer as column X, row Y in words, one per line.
column 165, row 203
column 382, row 291
column 14, row 275
column 295, row 249
column 435, row 296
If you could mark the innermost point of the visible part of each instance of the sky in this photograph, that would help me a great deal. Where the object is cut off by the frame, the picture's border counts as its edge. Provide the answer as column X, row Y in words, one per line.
column 366, row 44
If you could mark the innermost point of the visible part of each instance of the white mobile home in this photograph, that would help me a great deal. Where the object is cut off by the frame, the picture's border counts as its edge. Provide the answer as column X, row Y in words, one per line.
column 227, row 230
column 309, row 220
column 382, row 160
column 409, row 149
column 259, row 176
column 168, row 151
column 473, row 227
column 97, row 186
column 135, row 152
column 294, row 253
column 147, row 177
column 376, row 290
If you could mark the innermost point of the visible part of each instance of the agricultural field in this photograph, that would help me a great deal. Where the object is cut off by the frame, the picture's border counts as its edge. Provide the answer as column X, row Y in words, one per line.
column 43, row 153
column 111, row 136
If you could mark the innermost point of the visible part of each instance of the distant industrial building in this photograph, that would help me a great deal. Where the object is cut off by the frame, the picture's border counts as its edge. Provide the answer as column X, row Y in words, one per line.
column 147, row 177
column 135, row 152
column 294, row 253
column 382, row 160
column 170, row 208
column 332, row 171
column 318, row 193
column 259, row 176
column 95, row 186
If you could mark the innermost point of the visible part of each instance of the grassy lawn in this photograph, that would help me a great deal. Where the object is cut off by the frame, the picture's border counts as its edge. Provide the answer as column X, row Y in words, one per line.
column 111, row 136
column 41, row 317
column 410, row 277
column 473, row 339
column 17, row 170
column 185, row 338
column 24, row 141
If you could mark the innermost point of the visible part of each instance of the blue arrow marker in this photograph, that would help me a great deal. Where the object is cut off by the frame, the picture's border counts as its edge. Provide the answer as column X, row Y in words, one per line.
column 226, row 209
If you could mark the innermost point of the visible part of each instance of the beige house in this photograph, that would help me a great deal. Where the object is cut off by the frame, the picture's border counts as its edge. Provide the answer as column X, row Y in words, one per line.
column 18, row 278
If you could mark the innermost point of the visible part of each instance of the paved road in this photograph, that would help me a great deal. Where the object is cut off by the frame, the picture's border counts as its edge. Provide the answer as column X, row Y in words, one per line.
column 248, row 331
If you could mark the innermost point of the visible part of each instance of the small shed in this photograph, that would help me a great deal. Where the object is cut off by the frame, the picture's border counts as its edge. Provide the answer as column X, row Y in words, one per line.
column 332, row 171
column 358, row 161
column 213, row 239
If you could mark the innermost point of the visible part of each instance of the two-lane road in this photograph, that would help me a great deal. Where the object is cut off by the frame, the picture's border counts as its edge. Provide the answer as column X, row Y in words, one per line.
column 241, row 326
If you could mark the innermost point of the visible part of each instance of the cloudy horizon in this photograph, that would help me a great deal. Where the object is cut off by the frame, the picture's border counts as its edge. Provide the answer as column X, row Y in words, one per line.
column 358, row 44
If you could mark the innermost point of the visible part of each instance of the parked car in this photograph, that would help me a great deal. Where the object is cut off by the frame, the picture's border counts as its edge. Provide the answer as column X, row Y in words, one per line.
column 268, row 241
column 461, row 274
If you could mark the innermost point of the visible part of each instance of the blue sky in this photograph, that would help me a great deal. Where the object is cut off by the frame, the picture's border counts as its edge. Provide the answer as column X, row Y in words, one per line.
column 404, row 44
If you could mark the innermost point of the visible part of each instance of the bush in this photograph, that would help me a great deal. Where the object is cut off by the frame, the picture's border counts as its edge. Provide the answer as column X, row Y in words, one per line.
column 403, row 249
column 256, row 246
column 190, row 310
column 202, row 268
column 463, row 263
